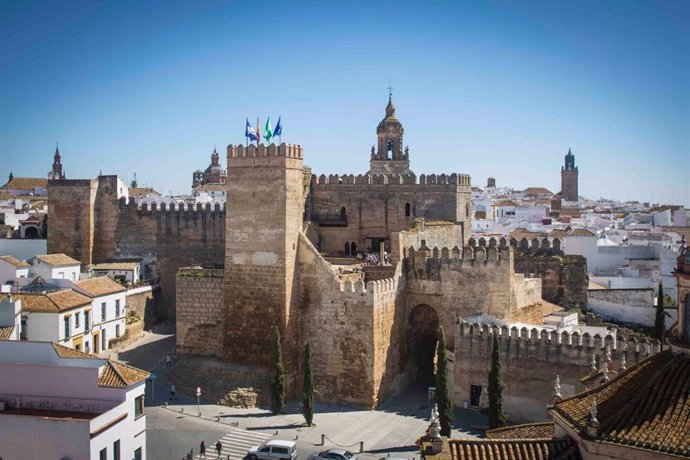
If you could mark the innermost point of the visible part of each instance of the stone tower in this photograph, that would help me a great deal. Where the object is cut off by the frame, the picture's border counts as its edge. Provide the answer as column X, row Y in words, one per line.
column 389, row 157
column 569, row 173
column 56, row 172
column 264, row 212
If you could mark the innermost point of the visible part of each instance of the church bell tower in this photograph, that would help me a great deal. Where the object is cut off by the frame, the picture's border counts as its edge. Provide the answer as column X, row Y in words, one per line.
column 389, row 157
column 569, row 172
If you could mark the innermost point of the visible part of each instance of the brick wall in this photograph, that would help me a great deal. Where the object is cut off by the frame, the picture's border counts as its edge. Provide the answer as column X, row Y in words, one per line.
column 71, row 218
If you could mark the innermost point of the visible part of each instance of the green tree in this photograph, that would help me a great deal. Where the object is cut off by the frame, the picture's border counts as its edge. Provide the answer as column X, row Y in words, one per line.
column 278, row 381
column 497, row 415
column 308, row 386
column 133, row 183
column 442, row 395
column 660, row 320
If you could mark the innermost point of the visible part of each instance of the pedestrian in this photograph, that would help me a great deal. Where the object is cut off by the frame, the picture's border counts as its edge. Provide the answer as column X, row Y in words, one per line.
column 168, row 360
column 173, row 392
column 202, row 449
column 219, row 447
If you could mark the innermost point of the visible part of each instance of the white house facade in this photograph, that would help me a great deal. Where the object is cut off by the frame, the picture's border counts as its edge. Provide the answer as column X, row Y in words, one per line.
column 56, row 266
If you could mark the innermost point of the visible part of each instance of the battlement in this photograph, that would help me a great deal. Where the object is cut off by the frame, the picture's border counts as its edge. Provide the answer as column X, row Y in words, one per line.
column 524, row 245
column 467, row 253
column 375, row 288
column 515, row 341
column 273, row 150
column 171, row 207
column 391, row 179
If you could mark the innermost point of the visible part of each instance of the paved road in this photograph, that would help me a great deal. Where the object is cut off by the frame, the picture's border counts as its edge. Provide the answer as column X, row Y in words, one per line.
column 174, row 427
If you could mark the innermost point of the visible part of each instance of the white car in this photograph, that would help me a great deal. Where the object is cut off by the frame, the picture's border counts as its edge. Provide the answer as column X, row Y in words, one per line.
column 333, row 454
column 274, row 450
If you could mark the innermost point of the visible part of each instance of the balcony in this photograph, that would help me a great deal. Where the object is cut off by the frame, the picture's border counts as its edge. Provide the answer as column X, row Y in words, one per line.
column 330, row 220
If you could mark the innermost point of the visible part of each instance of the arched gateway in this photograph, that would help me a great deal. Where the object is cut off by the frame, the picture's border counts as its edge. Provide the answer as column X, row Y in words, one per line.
column 423, row 335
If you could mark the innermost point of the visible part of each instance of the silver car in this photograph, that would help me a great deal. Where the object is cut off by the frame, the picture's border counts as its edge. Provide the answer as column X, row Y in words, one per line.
column 333, row 454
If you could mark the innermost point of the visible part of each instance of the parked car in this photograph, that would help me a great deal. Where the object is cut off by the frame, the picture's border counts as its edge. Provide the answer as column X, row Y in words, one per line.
column 333, row 454
column 274, row 450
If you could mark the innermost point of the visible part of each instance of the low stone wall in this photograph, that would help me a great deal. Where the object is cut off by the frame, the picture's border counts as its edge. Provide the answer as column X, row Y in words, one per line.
column 200, row 311
column 144, row 302
column 221, row 383
column 134, row 331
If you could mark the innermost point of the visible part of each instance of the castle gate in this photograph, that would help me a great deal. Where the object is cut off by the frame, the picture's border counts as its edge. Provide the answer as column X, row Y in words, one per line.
column 422, row 337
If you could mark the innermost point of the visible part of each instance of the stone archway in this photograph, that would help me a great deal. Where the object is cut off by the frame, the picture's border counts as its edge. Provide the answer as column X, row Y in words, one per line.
column 423, row 336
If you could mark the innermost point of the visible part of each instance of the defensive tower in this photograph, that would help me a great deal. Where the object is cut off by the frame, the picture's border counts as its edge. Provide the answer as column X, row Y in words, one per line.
column 264, row 218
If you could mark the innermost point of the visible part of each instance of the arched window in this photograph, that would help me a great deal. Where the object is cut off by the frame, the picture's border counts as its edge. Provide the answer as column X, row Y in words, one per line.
column 408, row 210
column 353, row 248
column 342, row 212
column 347, row 249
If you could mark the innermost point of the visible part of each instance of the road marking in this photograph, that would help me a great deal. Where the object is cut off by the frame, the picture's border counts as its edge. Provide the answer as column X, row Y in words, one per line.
column 236, row 443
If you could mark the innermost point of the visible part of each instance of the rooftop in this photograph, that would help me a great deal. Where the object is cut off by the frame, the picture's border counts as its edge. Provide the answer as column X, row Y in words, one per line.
column 25, row 183
column 14, row 261
column 116, row 266
column 527, row 431
column 52, row 302
column 6, row 332
column 57, row 259
column 513, row 449
column 101, row 285
column 646, row 407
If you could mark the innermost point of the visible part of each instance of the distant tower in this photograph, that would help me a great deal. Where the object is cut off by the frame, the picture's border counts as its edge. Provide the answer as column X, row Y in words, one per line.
column 56, row 173
column 389, row 157
column 491, row 182
column 214, row 174
column 569, row 178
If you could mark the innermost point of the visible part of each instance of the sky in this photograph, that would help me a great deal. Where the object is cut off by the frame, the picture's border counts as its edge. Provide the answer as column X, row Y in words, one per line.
column 499, row 89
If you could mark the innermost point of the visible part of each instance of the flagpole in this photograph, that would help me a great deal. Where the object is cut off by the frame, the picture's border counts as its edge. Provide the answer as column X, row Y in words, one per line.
column 258, row 133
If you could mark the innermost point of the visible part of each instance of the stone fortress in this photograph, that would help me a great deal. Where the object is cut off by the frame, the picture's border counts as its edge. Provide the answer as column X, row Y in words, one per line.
column 282, row 252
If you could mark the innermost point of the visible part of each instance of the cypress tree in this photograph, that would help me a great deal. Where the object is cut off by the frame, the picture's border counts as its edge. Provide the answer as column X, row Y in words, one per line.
column 308, row 386
column 497, row 415
column 442, row 395
column 278, row 383
column 660, row 320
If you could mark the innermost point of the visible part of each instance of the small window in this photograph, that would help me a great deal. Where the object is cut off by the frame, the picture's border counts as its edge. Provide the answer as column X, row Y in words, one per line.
column 103, row 455
column 117, row 330
column 408, row 210
column 76, row 319
column 280, row 450
column 66, row 324
column 103, row 311
column 347, row 249
column 343, row 211
column 117, row 308
column 137, row 454
column 265, row 449
column 116, row 450
column 104, row 344
column 139, row 406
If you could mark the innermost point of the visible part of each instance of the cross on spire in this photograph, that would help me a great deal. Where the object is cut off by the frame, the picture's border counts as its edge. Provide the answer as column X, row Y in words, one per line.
column 390, row 91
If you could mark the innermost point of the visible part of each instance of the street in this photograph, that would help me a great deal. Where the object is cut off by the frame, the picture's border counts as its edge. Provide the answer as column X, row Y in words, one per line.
column 174, row 427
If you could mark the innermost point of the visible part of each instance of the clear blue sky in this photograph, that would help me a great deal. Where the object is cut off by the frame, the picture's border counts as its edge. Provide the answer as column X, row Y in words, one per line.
column 496, row 89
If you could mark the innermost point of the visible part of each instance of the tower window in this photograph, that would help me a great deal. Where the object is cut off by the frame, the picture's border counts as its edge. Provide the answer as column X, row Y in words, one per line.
column 347, row 249
column 408, row 210
column 343, row 212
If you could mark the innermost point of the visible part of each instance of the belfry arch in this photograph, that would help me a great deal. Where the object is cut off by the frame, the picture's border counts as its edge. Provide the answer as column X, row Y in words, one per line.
column 422, row 335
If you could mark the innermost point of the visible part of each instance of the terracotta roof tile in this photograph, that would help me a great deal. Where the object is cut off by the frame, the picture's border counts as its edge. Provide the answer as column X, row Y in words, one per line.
column 58, row 259
column 116, row 266
column 66, row 352
column 513, row 449
column 98, row 286
column 120, row 375
column 52, row 302
column 6, row 332
column 580, row 232
column 647, row 407
column 25, row 183
column 527, row 431
column 537, row 191
column 14, row 261
column 142, row 191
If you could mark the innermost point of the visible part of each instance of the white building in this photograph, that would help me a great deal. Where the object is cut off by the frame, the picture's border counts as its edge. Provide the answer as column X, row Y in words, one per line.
column 56, row 266
column 11, row 269
column 125, row 272
column 109, row 309
column 60, row 403
column 61, row 316
column 10, row 316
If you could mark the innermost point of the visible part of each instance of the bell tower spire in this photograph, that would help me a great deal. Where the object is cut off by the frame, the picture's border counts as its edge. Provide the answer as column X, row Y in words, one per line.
column 56, row 172
column 388, row 157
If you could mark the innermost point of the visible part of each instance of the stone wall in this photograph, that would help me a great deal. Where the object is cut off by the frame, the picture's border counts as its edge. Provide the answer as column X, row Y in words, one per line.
column 530, row 361
column 376, row 206
column 144, row 302
column 71, row 218
column 200, row 311
column 564, row 277
column 460, row 283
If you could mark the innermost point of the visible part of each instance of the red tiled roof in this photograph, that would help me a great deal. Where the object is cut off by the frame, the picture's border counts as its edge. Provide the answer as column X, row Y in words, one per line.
column 25, row 183
column 6, row 332
column 647, row 407
column 66, row 352
column 527, row 431
column 52, row 302
column 120, row 375
column 513, row 449
column 57, row 259
column 14, row 261
column 101, row 285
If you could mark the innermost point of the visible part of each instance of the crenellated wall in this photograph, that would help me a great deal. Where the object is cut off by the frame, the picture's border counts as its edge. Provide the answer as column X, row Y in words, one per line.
column 360, row 208
column 530, row 360
column 355, row 328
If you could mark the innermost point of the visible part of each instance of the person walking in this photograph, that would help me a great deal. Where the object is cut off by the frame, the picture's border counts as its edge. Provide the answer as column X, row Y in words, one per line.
column 168, row 360
column 219, row 448
column 173, row 392
column 202, row 449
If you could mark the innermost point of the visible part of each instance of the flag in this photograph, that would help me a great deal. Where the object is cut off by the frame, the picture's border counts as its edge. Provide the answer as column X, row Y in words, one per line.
column 250, row 133
column 258, row 133
column 268, row 129
column 279, row 129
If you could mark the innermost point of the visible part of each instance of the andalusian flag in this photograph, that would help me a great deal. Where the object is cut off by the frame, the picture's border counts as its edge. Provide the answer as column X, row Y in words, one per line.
column 268, row 129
